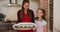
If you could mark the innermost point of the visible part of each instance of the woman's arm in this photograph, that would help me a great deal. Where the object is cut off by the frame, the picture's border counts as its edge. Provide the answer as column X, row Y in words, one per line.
column 33, row 17
column 18, row 16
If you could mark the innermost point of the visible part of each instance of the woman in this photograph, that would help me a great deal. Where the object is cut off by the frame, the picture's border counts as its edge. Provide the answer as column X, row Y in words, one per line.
column 25, row 14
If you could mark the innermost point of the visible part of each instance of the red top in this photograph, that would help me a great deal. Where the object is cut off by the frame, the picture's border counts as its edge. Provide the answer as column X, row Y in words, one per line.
column 26, row 19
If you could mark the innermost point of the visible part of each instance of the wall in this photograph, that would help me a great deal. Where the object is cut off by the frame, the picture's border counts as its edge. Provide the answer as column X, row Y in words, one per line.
column 56, row 15
column 44, row 5
column 11, row 12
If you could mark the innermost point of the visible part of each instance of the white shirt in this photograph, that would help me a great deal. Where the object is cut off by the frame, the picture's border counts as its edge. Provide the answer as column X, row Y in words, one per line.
column 40, row 25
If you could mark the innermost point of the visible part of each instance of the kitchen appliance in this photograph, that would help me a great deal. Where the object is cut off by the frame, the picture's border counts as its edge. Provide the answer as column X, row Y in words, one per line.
column 13, row 3
column 2, row 17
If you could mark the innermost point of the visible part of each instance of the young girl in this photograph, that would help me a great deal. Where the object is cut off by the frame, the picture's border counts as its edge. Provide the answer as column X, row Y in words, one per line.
column 40, row 21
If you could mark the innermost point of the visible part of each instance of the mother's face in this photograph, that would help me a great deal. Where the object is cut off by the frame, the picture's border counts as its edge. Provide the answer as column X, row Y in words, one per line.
column 26, row 6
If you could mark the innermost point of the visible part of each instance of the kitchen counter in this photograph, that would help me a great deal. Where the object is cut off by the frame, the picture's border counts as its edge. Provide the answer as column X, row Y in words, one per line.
column 6, row 27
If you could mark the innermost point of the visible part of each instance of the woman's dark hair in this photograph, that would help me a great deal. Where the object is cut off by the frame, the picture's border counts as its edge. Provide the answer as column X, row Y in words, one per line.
column 43, row 17
column 22, row 9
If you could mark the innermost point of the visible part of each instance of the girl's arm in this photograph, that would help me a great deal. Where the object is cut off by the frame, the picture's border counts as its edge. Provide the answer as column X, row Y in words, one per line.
column 45, row 28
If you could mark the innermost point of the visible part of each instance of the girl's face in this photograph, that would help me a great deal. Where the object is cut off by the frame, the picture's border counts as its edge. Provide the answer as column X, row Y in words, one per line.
column 40, row 13
column 26, row 6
